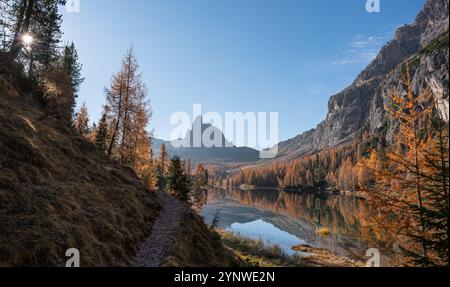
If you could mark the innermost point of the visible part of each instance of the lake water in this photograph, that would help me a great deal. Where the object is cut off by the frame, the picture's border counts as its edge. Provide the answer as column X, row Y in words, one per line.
column 289, row 219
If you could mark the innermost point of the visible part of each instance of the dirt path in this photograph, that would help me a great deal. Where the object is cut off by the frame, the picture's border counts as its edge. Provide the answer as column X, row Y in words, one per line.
column 155, row 249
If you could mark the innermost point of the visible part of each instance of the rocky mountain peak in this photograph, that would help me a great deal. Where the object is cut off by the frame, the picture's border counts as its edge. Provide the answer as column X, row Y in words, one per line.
column 434, row 16
column 362, row 103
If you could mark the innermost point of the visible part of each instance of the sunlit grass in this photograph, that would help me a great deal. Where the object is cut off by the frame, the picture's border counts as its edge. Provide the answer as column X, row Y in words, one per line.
column 323, row 231
column 256, row 253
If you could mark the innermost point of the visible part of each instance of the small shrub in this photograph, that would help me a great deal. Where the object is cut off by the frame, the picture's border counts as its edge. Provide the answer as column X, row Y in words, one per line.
column 323, row 231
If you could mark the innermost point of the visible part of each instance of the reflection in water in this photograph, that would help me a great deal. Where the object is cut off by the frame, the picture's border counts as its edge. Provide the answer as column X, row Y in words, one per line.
column 260, row 229
column 289, row 219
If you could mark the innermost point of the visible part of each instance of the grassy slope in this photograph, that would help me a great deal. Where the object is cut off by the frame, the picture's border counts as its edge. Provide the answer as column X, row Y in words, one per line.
column 199, row 247
column 58, row 192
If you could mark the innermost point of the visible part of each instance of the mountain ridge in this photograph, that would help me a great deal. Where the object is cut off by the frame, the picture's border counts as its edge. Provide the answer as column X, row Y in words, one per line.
column 187, row 148
column 362, row 103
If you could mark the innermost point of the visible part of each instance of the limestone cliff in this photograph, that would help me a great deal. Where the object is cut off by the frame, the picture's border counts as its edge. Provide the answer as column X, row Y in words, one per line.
column 424, row 44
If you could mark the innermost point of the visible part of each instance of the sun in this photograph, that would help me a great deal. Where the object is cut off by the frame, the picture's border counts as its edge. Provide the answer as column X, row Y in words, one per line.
column 27, row 40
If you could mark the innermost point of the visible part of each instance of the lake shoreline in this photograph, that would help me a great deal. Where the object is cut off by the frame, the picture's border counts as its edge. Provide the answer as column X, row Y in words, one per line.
column 317, row 191
column 327, row 223
column 254, row 253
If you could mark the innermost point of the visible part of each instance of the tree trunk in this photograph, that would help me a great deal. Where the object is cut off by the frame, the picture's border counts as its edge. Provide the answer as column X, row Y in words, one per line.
column 21, row 29
column 419, row 191
column 19, row 23
column 443, row 156
column 116, row 128
column 126, row 110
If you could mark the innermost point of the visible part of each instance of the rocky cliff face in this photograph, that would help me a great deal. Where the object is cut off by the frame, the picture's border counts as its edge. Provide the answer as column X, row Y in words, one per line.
column 428, row 68
column 423, row 43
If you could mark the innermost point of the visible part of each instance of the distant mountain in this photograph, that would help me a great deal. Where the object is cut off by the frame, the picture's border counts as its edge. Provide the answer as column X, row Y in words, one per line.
column 361, row 106
column 223, row 152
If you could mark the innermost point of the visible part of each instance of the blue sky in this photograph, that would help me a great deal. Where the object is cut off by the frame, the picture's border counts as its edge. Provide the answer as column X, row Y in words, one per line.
column 285, row 56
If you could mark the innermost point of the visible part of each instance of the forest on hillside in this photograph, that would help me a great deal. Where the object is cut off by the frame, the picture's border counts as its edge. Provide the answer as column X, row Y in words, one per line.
column 78, row 181
column 31, row 33
column 405, row 183
column 70, row 179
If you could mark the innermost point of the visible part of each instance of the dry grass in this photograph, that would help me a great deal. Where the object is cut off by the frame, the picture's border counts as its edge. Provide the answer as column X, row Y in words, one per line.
column 254, row 253
column 198, row 246
column 59, row 192
column 323, row 231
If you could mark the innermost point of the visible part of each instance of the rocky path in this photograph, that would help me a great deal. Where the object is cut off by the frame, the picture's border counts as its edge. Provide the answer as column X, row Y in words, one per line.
column 156, row 247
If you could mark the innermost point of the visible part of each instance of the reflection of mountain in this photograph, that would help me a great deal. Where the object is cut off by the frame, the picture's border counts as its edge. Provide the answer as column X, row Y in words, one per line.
column 338, row 213
column 297, row 214
column 229, row 213
column 216, row 149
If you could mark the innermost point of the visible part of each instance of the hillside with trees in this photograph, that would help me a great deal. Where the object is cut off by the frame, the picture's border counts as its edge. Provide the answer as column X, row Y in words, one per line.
column 395, row 155
column 65, row 183
column 106, row 187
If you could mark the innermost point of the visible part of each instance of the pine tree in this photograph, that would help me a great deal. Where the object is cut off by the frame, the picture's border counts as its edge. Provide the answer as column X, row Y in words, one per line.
column 199, row 190
column 188, row 168
column 162, row 166
column 42, row 21
column 436, row 188
column 149, row 176
column 347, row 176
column 93, row 131
column 129, row 113
column 177, row 182
column 73, row 67
column 46, row 30
column 408, row 195
column 22, row 12
column 6, row 23
column 141, row 139
column 102, row 133
column 81, row 122
column 163, row 158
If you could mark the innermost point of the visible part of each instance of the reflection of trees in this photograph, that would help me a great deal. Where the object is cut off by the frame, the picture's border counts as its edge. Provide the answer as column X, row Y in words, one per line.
column 342, row 215
column 338, row 213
